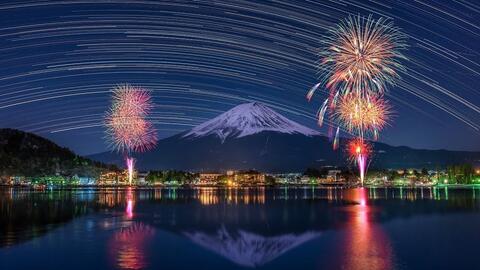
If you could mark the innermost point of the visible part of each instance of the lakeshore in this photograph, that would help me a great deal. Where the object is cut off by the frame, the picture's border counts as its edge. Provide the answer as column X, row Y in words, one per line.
column 288, row 227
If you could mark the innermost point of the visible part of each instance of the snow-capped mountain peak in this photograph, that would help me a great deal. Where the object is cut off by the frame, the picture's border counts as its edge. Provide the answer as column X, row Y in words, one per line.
column 247, row 119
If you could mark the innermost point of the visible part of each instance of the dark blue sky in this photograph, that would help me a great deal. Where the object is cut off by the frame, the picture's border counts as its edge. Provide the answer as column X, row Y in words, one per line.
column 200, row 58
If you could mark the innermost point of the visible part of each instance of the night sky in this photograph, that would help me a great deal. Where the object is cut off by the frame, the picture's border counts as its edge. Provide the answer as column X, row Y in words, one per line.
column 60, row 59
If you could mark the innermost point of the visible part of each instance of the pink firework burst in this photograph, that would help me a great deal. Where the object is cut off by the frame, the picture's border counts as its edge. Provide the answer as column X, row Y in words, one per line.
column 128, row 129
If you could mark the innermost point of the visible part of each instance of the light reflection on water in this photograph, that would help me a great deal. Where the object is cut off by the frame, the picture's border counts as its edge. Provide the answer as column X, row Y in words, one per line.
column 128, row 246
column 367, row 246
column 232, row 227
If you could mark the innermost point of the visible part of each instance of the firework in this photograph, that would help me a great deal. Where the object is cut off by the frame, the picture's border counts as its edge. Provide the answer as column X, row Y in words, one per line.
column 362, row 55
column 362, row 115
column 128, row 130
column 359, row 151
column 359, row 58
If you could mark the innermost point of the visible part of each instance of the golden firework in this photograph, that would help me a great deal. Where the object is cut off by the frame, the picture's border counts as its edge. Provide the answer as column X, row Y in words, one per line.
column 361, row 115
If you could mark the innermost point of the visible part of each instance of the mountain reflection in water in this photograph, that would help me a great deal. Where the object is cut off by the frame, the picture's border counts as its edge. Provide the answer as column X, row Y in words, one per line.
column 249, row 227
column 249, row 249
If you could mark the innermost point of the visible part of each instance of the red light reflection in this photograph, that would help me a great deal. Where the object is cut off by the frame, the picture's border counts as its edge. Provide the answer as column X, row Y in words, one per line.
column 366, row 245
column 128, row 247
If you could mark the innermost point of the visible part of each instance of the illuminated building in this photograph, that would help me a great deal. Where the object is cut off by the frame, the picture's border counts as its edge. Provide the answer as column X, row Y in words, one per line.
column 84, row 180
column 141, row 178
column 115, row 178
column 208, row 178
column 249, row 179
column 334, row 176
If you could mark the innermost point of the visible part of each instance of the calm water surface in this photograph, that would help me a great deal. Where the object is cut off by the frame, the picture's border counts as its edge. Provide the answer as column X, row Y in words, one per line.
column 208, row 228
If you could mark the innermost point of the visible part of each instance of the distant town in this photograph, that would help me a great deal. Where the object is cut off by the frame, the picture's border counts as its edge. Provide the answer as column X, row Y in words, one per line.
column 464, row 174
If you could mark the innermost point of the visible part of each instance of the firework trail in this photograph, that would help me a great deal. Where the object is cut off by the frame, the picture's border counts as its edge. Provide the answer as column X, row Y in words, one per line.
column 312, row 91
column 130, row 168
column 128, row 129
column 359, row 151
column 335, row 140
column 321, row 112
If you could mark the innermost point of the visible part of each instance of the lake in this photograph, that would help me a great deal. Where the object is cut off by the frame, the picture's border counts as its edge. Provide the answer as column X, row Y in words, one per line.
column 240, row 228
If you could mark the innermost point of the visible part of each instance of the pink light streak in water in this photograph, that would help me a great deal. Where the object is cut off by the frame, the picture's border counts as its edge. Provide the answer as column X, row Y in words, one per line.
column 128, row 246
column 365, row 244
column 129, row 209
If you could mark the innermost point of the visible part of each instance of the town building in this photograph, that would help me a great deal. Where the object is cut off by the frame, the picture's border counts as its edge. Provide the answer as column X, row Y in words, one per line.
column 84, row 180
column 334, row 176
column 248, row 178
column 205, row 179
column 115, row 178
column 141, row 178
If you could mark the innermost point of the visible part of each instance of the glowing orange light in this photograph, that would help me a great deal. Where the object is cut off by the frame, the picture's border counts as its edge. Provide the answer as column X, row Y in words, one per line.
column 362, row 115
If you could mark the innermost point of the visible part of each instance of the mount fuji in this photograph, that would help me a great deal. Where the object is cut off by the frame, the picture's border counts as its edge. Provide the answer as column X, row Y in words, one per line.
column 248, row 119
column 253, row 136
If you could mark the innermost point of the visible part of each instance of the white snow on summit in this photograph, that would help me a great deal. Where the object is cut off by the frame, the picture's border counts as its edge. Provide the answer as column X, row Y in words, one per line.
column 247, row 119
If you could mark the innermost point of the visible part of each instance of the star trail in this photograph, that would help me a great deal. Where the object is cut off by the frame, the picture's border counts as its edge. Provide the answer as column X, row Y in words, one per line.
column 60, row 60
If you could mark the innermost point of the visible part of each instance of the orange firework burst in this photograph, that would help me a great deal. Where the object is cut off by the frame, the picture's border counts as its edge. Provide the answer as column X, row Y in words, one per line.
column 362, row 115
column 362, row 55
column 358, row 147
column 359, row 58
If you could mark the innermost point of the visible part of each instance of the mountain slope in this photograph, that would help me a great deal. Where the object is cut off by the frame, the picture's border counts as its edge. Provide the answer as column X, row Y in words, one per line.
column 26, row 154
column 252, row 136
column 248, row 119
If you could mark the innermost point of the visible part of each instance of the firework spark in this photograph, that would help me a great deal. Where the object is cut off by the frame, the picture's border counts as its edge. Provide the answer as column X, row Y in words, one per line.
column 362, row 55
column 359, row 151
column 335, row 140
column 362, row 115
column 128, row 130
column 359, row 58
